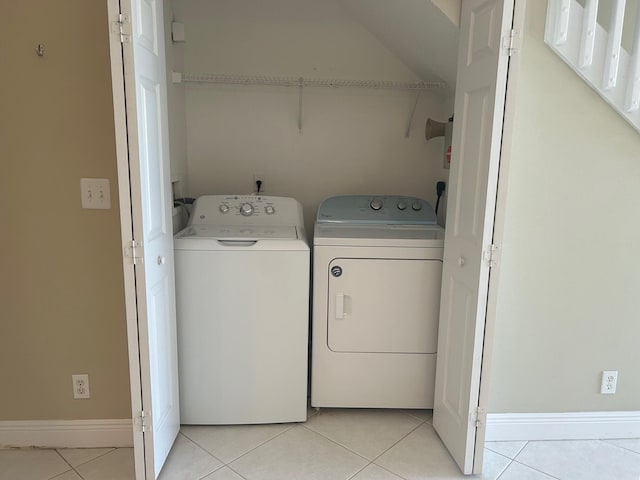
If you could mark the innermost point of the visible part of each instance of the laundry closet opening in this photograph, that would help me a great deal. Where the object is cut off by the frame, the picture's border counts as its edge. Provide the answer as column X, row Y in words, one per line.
column 318, row 100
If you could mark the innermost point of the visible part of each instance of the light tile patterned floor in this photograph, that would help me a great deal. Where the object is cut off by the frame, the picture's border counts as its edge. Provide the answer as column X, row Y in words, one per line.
column 335, row 444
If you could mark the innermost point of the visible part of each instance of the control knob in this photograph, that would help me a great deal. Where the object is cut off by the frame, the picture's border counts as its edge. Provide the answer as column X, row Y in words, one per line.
column 416, row 206
column 269, row 210
column 223, row 208
column 402, row 205
column 376, row 204
column 246, row 209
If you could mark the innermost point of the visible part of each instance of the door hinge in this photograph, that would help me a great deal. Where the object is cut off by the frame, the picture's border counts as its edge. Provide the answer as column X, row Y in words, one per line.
column 490, row 255
column 511, row 42
column 479, row 417
column 133, row 250
column 140, row 421
column 121, row 26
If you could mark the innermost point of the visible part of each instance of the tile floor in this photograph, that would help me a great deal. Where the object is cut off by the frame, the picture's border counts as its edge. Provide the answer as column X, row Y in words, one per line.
column 332, row 444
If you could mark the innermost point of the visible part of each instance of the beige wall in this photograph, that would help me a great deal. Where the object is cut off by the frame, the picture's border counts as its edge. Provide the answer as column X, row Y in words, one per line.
column 568, row 303
column 61, row 294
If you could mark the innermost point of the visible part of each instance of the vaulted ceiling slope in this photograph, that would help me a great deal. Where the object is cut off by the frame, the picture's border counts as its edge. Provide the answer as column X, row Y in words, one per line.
column 422, row 33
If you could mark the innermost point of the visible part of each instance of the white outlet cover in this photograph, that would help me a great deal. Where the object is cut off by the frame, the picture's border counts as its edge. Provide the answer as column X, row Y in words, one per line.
column 609, row 382
column 95, row 193
column 81, row 386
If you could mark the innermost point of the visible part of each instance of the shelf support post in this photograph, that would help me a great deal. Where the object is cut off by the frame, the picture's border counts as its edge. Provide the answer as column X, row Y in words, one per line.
column 300, row 87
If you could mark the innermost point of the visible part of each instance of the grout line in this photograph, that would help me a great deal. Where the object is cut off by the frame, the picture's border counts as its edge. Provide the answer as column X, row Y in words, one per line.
column 536, row 469
column 405, row 436
column 201, row 448
column 356, row 473
column 236, row 472
column 487, row 446
column 387, row 470
column 505, row 467
column 526, row 442
column 421, row 422
column 293, row 425
column 113, row 449
column 607, row 441
column 71, row 466
column 335, row 442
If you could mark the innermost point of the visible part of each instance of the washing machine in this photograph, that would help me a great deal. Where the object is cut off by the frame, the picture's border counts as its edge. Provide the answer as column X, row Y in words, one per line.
column 242, row 300
column 377, row 268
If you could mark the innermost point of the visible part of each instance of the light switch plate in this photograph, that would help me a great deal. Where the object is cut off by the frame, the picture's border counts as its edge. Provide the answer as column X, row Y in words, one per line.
column 95, row 193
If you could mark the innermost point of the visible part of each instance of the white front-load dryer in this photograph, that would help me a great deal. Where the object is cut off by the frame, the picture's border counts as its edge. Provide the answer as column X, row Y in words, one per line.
column 377, row 265
column 242, row 301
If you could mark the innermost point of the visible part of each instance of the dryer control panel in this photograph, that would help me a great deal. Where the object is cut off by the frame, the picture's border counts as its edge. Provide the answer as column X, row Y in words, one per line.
column 376, row 209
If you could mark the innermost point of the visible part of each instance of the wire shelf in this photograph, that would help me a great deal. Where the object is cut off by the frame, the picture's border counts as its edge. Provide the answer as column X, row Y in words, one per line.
column 231, row 79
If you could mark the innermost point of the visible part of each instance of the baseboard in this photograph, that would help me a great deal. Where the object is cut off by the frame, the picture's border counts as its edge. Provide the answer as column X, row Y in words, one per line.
column 66, row 433
column 562, row 426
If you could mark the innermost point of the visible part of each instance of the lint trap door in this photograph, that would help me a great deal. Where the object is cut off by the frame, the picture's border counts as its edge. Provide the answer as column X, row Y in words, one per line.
column 383, row 305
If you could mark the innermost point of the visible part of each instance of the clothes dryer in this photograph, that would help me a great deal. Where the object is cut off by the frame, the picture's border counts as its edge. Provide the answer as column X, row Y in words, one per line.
column 377, row 266
column 242, row 297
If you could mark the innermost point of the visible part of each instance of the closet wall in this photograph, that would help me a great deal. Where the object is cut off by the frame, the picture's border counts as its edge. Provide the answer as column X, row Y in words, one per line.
column 352, row 140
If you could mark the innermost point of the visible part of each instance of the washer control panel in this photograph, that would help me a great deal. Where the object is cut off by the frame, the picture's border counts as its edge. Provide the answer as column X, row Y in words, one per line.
column 246, row 210
column 246, row 205
column 378, row 209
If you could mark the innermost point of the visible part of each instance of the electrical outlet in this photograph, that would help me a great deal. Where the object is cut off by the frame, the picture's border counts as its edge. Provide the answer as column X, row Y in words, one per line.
column 258, row 177
column 95, row 193
column 80, row 386
column 609, row 382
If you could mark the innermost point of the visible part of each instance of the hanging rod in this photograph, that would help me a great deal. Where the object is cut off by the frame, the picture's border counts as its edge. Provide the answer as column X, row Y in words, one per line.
column 231, row 79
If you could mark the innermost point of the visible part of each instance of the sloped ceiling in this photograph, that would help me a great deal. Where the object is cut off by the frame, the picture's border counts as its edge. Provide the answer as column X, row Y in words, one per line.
column 422, row 33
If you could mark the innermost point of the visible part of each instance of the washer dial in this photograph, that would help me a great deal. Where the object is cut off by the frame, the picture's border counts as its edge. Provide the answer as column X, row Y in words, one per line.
column 246, row 209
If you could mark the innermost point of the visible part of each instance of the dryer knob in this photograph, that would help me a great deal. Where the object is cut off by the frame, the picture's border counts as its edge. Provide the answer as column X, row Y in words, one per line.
column 402, row 205
column 246, row 209
column 416, row 206
column 376, row 204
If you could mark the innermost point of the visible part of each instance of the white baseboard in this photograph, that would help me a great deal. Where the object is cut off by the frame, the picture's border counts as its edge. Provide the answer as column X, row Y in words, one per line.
column 562, row 426
column 66, row 433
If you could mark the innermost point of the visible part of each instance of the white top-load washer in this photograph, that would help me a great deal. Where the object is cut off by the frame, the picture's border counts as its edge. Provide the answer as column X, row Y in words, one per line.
column 376, row 297
column 242, row 296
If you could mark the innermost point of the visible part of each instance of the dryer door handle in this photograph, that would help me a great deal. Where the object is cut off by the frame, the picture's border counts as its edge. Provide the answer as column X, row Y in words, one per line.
column 339, row 306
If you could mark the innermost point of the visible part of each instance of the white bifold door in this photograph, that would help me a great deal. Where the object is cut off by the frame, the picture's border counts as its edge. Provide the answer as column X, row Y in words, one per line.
column 483, row 60
column 140, row 106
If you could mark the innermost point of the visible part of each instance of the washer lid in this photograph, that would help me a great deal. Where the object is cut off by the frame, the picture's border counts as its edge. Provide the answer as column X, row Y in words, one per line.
column 239, row 232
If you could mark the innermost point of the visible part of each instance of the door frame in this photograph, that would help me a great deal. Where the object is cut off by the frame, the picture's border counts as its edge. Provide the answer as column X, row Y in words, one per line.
column 126, row 228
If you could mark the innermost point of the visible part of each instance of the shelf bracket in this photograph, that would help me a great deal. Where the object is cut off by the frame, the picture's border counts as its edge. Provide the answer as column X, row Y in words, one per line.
column 413, row 111
column 300, row 88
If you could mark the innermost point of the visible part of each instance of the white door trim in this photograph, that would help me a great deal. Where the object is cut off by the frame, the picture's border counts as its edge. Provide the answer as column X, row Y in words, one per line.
column 562, row 426
column 66, row 433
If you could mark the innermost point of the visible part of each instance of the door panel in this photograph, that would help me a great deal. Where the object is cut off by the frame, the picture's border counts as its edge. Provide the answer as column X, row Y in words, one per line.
column 148, row 198
column 384, row 305
column 477, row 135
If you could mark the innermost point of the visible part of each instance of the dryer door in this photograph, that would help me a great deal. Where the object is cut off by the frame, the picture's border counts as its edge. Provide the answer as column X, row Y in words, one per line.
column 383, row 305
